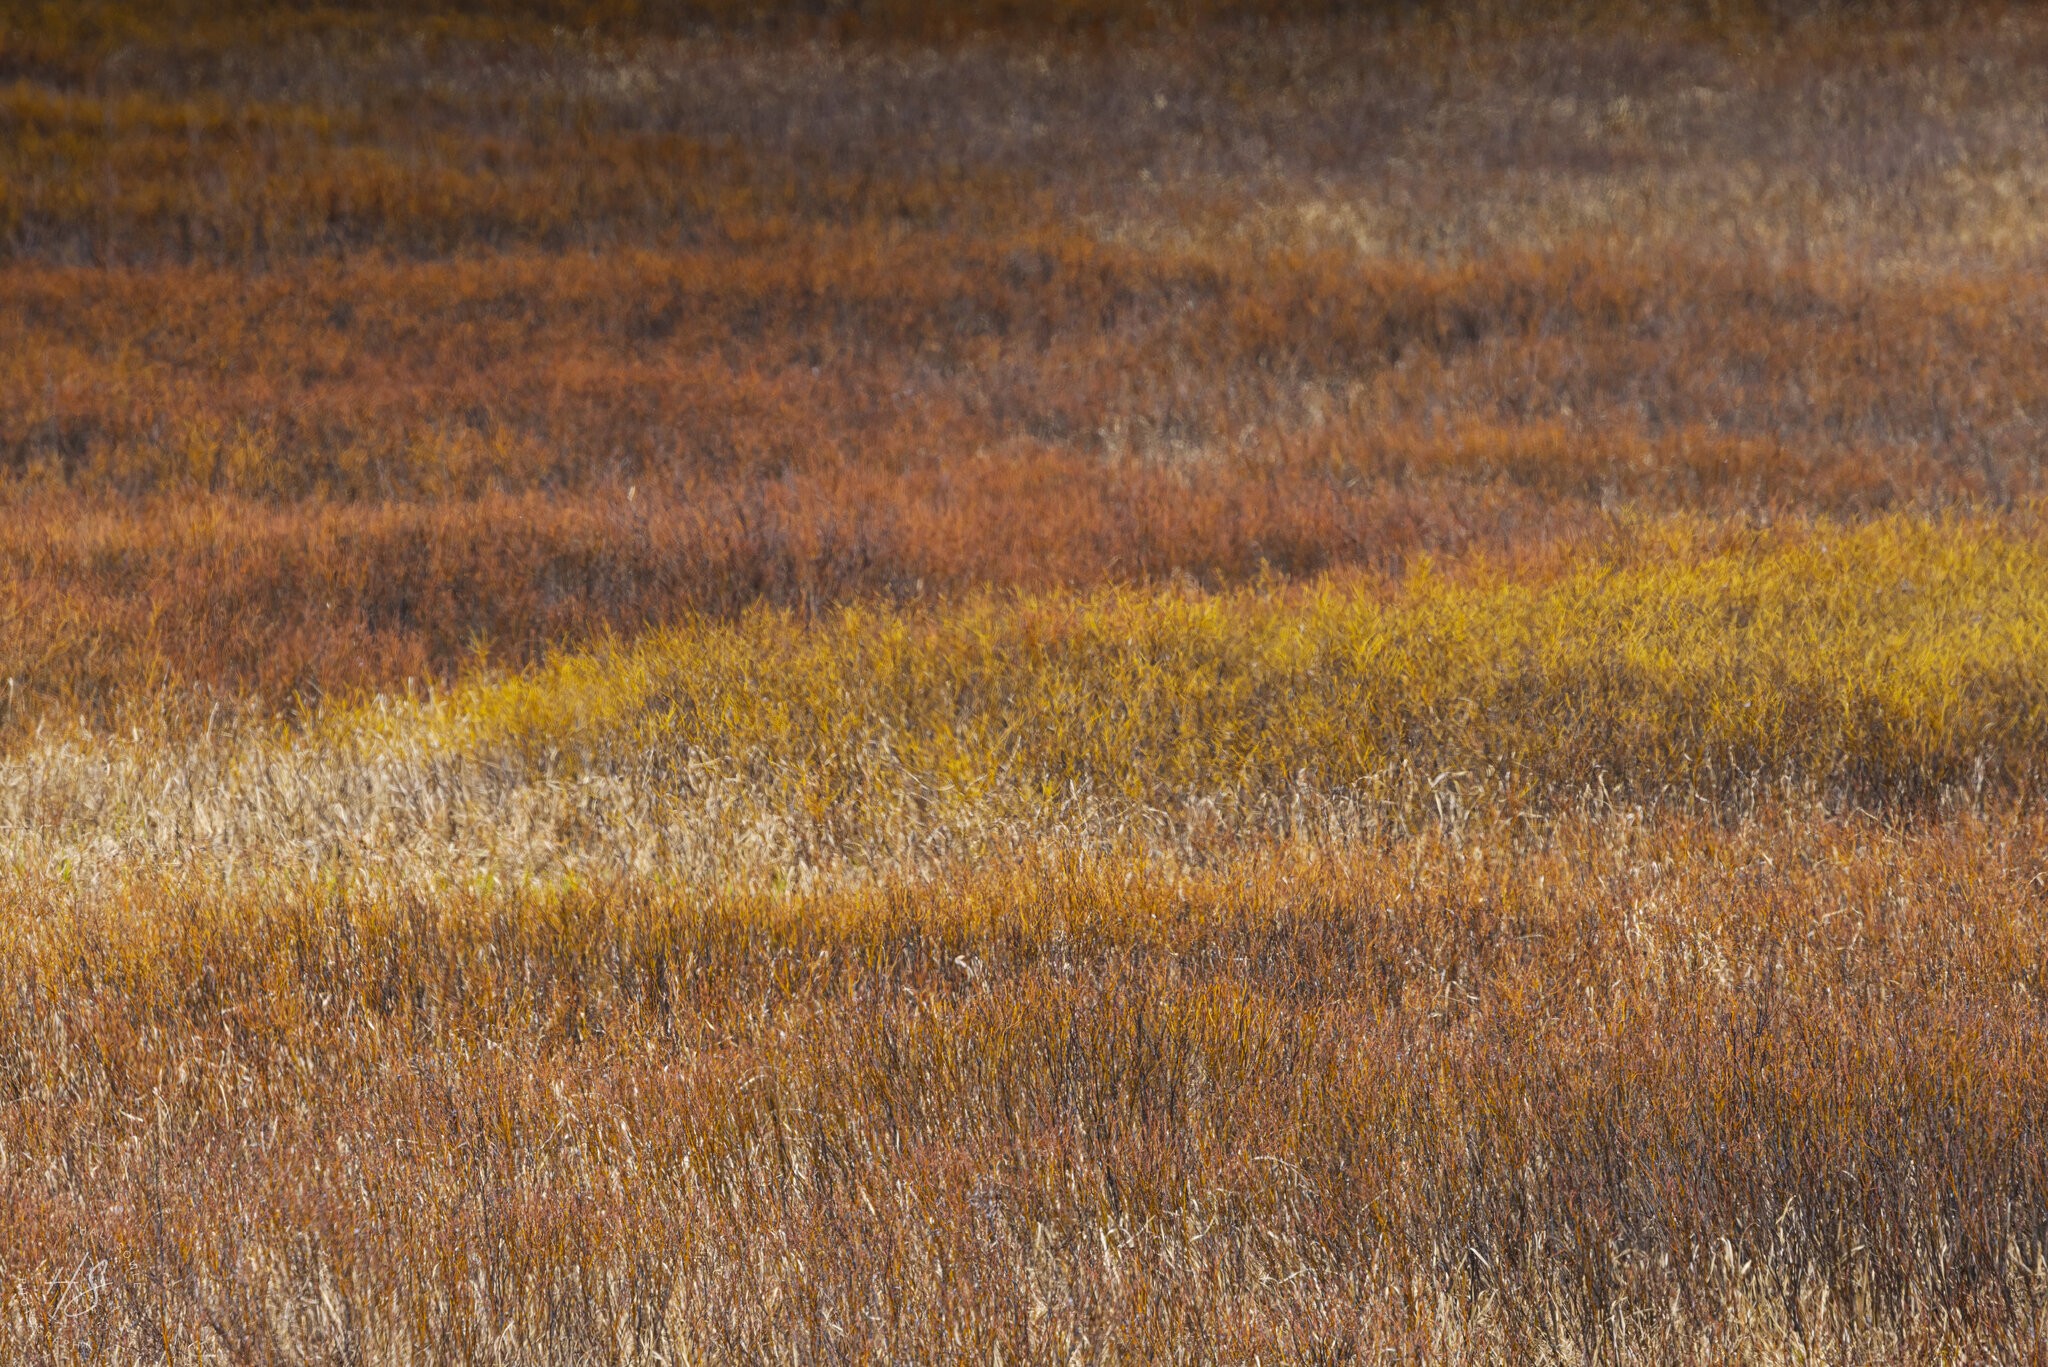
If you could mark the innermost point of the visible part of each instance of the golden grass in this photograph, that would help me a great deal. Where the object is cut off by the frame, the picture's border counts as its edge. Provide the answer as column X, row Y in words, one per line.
column 1071, row 681
column 1896, row 666
column 1649, row 1090
column 1882, row 662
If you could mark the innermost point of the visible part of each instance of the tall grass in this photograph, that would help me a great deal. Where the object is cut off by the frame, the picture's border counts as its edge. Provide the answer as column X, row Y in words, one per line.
column 1896, row 667
column 1647, row 1091
column 1882, row 662
column 1069, row 681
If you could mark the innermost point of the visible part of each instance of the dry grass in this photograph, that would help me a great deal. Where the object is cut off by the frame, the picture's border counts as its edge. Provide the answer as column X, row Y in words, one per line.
column 1482, row 970
column 331, row 348
column 1022, row 682
column 1899, row 667
column 1648, row 1090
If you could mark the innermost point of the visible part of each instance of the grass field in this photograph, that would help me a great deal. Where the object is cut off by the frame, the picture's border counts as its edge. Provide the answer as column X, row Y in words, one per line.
column 1048, row 681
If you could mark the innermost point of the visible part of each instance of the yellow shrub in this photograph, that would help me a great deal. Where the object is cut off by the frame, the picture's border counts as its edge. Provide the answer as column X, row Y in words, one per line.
column 1885, row 661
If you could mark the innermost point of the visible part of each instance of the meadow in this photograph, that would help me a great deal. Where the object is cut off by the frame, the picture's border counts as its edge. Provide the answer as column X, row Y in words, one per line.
column 1084, row 681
